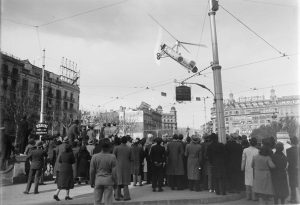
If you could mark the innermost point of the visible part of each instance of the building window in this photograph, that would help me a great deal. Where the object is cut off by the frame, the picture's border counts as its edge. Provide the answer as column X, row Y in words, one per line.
column 65, row 105
column 25, row 84
column 13, row 84
column 58, row 94
column 66, row 95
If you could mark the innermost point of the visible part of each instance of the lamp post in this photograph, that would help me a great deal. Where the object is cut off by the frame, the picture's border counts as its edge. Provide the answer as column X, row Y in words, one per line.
column 42, row 92
column 217, row 72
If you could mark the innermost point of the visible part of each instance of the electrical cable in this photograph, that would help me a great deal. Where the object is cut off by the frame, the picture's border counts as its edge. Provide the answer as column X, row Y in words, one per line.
column 252, row 63
column 83, row 13
column 203, row 24
column 236, row 18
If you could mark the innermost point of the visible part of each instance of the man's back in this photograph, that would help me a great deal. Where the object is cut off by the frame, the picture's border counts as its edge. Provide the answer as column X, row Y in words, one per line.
column 101, row 168
column 37, row 158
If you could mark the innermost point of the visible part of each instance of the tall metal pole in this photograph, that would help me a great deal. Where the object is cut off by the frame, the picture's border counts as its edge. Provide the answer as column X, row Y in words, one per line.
column 42, row 91
column 217, row 73
column 204, row 99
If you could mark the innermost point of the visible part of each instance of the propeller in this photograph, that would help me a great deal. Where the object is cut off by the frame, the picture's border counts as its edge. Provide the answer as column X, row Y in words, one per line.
column 193, row 44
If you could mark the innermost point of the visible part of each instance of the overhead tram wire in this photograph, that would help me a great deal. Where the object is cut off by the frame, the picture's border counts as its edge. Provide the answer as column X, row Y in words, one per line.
column 82, row 13
column 236, row 18
column 252, row 63
column 203, row 24
column 262, row 88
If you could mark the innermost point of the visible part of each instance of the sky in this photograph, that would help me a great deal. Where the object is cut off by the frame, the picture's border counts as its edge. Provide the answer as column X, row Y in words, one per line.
column 114, row 43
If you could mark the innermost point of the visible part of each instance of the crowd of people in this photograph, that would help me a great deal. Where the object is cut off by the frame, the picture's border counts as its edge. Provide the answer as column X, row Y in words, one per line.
column 111, row 163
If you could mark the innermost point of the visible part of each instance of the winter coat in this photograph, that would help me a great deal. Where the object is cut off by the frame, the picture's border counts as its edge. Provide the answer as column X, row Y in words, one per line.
column 83, row 163
column 58, row 151
column 124, row 158
column 175, row 153
column 248, row 154
column 102, row 168
column 216, row 156
column 137, row 156
column 65, row 179
column 193, row 152
column 262, row 181
column 234, row 153
column 279, row 175
column 292, row 157
column 37, row 157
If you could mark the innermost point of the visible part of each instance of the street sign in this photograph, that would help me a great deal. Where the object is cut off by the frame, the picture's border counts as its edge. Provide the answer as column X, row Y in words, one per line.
column 183, row 93
column 41, row 128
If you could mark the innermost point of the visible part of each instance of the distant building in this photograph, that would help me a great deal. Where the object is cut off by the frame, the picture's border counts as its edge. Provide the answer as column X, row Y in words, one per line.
column 20, row 88
column 245, row 114
column 169, row 120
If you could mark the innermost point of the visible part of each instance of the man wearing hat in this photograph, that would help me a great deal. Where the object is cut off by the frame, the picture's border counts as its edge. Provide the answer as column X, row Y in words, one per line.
column 37, row 160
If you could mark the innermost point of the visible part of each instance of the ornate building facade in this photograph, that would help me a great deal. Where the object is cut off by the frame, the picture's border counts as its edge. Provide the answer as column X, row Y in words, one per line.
column 245, row 114
column 20, row 95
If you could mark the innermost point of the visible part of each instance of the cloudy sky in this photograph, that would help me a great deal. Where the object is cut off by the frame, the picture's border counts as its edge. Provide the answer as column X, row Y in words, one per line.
column 114, row 42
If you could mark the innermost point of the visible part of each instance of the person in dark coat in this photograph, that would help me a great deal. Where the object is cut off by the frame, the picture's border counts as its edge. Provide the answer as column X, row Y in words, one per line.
column 216, row 156
column 65, row 179
column 37, row 157
column 206, row 166
column 83, row 163
column 73, row 131
column 292, row 157
column 193, row 152
column 58, row 151
column 158, row 159
column 233, row 164
column 279, row 175
column 29, row 147
column 123, row 172
column 137, row 157
column 175, row 167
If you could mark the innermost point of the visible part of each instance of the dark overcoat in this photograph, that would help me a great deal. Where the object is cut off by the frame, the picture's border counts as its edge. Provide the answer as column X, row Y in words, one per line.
column 193, row 152
column 234, row 152
column 175, row 153
column 83, row 163
column 216, row 156
column 124, row 158
column 279, row 175
column 65, row 178
column 58, row 151
column 137, row 156
column 37, row 157
column 292, row 157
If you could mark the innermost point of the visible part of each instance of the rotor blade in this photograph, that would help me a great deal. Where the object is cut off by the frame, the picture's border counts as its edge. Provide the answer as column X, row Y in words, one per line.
column 194, row 44
column 162, row 26
column 184, row 48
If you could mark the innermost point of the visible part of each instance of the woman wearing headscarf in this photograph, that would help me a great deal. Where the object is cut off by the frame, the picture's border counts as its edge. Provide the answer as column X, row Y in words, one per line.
column 193, row 152
column 65, row 179
column 83, row 163
column 262, row 181
column 279, row 174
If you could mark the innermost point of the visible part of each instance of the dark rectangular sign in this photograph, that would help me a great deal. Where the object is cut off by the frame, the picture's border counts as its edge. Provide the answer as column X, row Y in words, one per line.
column 183, row 93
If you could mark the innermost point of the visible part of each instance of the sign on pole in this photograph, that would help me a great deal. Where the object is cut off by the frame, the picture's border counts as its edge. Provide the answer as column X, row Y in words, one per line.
column 41, row 128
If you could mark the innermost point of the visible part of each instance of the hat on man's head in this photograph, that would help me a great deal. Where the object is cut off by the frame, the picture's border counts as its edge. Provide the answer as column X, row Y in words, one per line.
column 66, row 139
column 195, row 139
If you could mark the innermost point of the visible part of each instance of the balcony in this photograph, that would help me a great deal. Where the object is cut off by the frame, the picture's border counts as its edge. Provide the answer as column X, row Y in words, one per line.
column 5, row 72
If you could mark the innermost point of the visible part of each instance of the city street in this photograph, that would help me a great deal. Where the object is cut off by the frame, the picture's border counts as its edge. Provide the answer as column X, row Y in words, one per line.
column 83, row 194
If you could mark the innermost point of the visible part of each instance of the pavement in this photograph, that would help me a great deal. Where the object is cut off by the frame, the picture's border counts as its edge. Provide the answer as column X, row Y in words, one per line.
column 140, row 195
